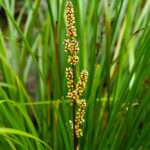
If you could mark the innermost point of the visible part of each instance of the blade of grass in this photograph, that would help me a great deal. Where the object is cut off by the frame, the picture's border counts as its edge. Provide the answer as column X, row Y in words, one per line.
column 19, row 132
column 91, row 107
column 108, row 53
column 68, row 123
column 23, row 38
column 51, row 16
column 61, row 126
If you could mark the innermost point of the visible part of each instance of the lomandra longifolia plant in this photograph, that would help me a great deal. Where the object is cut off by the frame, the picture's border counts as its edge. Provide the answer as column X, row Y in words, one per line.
column 75, row 89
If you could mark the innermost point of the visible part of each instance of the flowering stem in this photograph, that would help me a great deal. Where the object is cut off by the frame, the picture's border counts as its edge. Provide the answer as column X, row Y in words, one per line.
column 75, row 91
column 74, row 111
column 75, row 140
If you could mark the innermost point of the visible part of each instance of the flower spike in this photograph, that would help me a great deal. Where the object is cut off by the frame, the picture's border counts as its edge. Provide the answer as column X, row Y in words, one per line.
column 75, row 89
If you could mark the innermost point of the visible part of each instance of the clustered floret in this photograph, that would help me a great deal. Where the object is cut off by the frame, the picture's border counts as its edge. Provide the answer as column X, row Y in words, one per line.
column 73, row 60
column 78, row 131
column 69, row 73
column 71, row 47
column 82, row 82
column 70, row 84
column 82, row 103
column 71, row 44
column 84, row 75
column 74, row 97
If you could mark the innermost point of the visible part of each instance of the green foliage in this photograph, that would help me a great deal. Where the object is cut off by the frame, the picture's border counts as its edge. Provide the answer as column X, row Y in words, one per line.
column 114, row 43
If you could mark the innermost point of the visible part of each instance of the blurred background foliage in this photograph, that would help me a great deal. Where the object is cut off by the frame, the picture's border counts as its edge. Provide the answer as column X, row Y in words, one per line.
column 114, row 41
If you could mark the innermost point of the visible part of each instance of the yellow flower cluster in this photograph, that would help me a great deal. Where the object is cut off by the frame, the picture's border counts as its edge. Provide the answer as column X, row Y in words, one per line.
column 74, row 47
column 67, row 46
column 73, row 60
column 84, row 75
column 69, row 73
column 82, row 103
column 71, row 47
column 70, row 84
column 78, row 131
column 74, row 97
column 71, row 30
column 71, row 44
column 81, row 84
column 80, row 113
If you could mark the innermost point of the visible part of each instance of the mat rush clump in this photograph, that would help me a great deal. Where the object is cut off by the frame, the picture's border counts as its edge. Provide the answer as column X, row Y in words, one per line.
column 75, row 90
